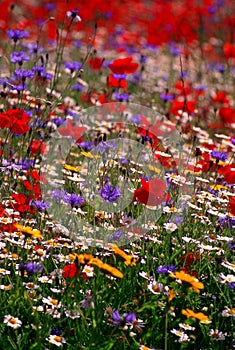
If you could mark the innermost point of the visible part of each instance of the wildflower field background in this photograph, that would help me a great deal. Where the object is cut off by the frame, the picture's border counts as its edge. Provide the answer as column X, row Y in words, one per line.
column 117, row 170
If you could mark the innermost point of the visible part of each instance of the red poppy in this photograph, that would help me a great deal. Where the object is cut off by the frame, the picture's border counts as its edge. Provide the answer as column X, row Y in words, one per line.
column 123, row 66
column 227, row 115
column 22, row 202
column 220, row 97
column 152, row 192
column 16, row 120
column 231, row 205
column 117, row 83
column 37, row 146
column 72, row 130
column 96, row 63
column 228, row 171
column 229, row 50
column 188, row 106
column 70, row 271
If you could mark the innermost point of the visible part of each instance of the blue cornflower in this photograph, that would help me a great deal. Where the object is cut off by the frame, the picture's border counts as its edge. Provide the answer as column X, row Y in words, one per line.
column 119, row 76
column 58, row 121
column 26, row 163
column 78, row 87
column 121, row 97
column 231, row 245
column 136, row 119
column 19, row 87
column 59, row 195
column 109, row 193
column 41, row 206
column 231, row 285
column 115, row 236
column 86, row 145
column 19, row 57
column 127, row 319
column 219, row 155
column 166, row 269
column 174, row 50
column 17, row 34
column 73, row 66
column 167, row 97
column 55, row 331
column 30, row 268
column 24, row 73
column 103, row 147
column 74, row 200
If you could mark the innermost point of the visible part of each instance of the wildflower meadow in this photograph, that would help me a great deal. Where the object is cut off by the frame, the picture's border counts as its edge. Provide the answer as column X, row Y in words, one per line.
column 117, row 175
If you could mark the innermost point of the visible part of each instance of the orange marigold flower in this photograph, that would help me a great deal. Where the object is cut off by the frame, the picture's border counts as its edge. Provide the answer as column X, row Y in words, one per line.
column 185, row 277
column 197, row 315
column 129, row 260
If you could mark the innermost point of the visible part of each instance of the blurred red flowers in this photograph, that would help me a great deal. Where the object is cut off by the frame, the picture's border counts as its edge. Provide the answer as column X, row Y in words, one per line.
column 16, row 120
column 152, row 192
column 123, row 66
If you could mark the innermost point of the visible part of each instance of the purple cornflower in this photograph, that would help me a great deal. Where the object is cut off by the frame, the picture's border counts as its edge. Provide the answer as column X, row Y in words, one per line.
column 30, row 268
column 231, row 245
column 103, row 147
column 115, row 236
column 58, row 121
column 41, row 206
column 88, row 301
column 166, row 97
column 127, row 319
column 219, row 155
column 174, row 50
column 26, row 163
column 119, row 76
column 136, row 119
column 166, row 269
column 19, row 87
column 86, row 145
column 17, row 34
column 55, row 331
column 78, row 87
column 59, row 195
column 121, row 97
column 109, row 193
column 231, row 285
column 24, row 73
column 73, row 66
column 74, row 200
column 19, row 57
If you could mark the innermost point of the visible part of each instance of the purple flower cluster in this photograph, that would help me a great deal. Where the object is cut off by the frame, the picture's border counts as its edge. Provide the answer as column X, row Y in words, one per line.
column 30, row 268
column 17, row 34
column 19, row 57
column 166, row 269
column 219, row 155
column 71, row 199
column 127, row 319
column 109, row 193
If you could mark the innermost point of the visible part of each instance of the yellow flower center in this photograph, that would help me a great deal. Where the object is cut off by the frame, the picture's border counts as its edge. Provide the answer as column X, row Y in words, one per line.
column 13, row 320
column 58, row 339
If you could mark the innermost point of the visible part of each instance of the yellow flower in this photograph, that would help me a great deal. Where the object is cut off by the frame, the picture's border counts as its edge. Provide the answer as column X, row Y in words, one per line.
column 197, row 315
column 30, row 231
column 89, row 155
column 72, row 168
column 171, row 295
column 129, row 260
column 115, row 272
column 185, row 277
